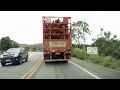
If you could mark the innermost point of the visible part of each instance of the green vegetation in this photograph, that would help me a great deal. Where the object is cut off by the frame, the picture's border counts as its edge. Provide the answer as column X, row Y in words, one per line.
column 106, row 61
column 79, row 31
column 34, row 47
column 6, row 43
column 108, row 46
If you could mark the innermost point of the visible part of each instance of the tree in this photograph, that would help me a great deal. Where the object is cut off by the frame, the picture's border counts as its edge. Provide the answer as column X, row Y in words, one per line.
column 5, row 43
column 108, row 46
column 15, row 44
column 79, row 31
column 101, row 34
column 115, row 36
column 27, row 48
column 98, row 35
column 107, row 35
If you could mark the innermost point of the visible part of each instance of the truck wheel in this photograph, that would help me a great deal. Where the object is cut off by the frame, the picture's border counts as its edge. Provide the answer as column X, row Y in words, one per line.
column 46, row 62
column 3, row 63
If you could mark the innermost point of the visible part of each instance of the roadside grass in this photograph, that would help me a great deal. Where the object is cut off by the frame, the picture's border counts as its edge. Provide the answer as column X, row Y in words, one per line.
column 79, row 53
column 101, row 60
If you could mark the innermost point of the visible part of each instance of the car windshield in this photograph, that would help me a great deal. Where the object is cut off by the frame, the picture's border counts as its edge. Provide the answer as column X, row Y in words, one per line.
column 13, row 50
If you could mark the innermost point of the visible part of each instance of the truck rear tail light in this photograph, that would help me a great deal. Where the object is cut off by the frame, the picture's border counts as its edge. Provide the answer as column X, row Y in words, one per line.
column 62, row 50
column 66, row 51
column 46, row 52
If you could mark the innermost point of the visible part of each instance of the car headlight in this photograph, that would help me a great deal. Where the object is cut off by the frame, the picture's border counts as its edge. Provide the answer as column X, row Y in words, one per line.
column 15, row 55
column 1, row 56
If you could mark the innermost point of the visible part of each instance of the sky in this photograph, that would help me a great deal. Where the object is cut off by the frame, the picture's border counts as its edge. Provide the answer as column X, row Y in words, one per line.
column 25, row 27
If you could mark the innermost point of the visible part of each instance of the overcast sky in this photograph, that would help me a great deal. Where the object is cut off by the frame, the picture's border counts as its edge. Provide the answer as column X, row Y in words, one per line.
column 25, row 27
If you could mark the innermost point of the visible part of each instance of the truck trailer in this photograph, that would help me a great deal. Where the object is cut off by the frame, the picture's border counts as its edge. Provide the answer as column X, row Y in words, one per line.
column 57, row 39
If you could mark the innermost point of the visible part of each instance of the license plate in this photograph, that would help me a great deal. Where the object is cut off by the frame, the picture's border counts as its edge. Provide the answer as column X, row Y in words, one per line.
column 7, row 60
column 57, row 53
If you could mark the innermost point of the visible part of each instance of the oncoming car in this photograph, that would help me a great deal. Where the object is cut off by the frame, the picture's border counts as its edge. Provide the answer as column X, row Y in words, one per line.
column 14, row 55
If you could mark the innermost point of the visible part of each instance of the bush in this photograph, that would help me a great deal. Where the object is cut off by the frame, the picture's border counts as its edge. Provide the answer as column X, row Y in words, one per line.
column 73, row 52
column 95, row 58
column 79, row 53
column 107, row 61
column 107, row 64
column 114, row 66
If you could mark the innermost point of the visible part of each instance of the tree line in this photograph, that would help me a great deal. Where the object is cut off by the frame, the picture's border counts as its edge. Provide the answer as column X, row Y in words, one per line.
column 107, row 44
column 6, row 43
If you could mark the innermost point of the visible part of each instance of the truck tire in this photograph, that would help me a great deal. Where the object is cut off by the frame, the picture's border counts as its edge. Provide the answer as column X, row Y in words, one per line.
column 46, row 62
column 3, row 63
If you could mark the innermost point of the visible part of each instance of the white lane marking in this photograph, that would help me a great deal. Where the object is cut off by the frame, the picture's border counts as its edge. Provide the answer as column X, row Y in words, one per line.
column 86, row 70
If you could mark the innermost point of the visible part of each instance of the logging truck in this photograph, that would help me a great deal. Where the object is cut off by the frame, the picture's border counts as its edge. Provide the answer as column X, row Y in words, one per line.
column 57, row 40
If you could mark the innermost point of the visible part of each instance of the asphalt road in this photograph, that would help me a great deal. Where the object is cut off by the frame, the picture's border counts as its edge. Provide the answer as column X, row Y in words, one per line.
column 17, row 71
column 74, row 69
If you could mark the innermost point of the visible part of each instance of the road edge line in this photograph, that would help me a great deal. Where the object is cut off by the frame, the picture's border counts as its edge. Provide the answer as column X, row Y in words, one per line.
column 99, row 65
column 86, row 71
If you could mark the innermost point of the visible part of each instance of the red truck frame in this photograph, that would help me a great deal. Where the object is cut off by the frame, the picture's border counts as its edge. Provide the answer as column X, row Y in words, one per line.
column 57, row 38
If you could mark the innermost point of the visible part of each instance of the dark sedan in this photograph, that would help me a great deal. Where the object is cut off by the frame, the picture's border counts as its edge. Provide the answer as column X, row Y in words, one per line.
column 14, row 55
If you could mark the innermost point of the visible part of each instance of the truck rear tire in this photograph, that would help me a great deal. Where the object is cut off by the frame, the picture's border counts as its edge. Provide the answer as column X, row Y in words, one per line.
column 46, row 62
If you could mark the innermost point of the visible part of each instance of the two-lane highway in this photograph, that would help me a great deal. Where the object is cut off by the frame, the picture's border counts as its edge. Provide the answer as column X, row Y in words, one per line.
column 74, row 69
column 61, row 71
